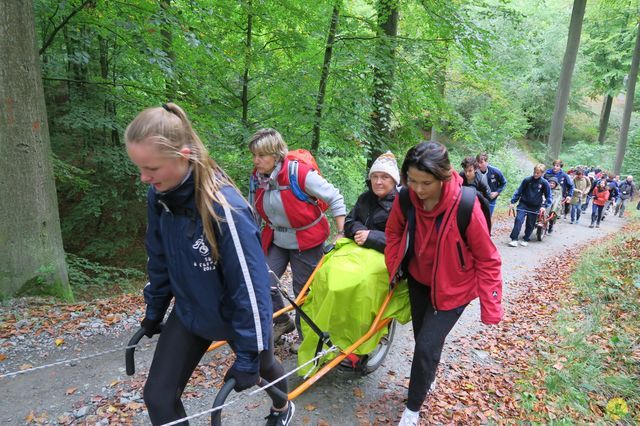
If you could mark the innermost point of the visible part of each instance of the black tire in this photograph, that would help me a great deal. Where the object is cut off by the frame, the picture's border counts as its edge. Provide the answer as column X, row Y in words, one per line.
column 376, row 357
column 540, row 233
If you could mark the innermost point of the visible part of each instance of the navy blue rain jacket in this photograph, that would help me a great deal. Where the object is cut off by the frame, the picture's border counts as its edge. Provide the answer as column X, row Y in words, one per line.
column 227, row 299
column 495, row 179
column 564, row 180
column 531, row 193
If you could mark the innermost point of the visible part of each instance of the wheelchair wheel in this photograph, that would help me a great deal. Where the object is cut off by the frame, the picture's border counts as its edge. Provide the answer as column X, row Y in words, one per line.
column 376, row 357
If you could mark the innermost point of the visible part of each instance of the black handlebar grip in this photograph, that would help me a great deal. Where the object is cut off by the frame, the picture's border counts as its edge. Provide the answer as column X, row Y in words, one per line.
column 129, row 353
column 223, row 393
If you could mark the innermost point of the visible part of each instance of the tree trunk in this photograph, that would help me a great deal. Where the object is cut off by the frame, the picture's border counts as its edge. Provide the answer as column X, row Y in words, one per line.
column 109, row 133
column 32, row 253
column 628, row 107
column 604, row 117
column 383, row 78
column 441, row 75
column 247, row 64
column 167, row 47
column 564, row 85
column 324, row 76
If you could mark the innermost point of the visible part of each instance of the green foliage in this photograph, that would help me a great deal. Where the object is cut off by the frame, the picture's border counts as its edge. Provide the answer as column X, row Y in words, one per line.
column 90, row 280
column 484, row 72
column 595, row 338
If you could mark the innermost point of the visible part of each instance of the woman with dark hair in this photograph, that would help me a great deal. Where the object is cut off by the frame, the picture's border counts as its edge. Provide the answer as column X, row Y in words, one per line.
column 445, row 270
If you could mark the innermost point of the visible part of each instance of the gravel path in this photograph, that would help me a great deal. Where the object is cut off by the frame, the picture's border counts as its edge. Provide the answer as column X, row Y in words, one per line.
column 97, row 390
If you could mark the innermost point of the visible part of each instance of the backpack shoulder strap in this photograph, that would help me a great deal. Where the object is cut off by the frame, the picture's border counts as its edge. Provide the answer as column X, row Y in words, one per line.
column 405, row 202
column 465, row 209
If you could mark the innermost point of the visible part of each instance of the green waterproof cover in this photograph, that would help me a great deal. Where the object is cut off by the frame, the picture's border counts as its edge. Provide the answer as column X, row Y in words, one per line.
column 344, row 299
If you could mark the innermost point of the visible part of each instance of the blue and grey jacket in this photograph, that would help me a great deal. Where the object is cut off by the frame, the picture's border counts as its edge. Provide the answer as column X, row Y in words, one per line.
column 532, row 193
column 564, row 181
column 224, row 299
column 495, row 179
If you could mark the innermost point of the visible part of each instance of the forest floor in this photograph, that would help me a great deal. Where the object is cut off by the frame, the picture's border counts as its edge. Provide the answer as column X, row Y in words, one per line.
column 482, row 366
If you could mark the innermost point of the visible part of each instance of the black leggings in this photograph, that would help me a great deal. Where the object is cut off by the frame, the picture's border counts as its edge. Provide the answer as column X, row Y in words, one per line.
column 429, row 331
column 177, row 354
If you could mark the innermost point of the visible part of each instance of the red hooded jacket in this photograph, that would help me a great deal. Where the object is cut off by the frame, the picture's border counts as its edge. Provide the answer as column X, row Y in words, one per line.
column 457, row 272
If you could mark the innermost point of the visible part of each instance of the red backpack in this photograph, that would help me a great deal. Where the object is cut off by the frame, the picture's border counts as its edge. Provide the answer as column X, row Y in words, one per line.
column 305, row 157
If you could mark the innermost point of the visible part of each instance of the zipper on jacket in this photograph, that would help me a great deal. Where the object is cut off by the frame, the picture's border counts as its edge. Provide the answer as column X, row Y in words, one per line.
column 460, row 254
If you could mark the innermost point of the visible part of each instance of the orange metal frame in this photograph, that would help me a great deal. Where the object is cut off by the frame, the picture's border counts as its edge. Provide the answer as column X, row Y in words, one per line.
column 378, row 324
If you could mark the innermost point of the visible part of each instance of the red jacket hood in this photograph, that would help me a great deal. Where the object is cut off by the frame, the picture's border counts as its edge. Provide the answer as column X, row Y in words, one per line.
column 450, row 190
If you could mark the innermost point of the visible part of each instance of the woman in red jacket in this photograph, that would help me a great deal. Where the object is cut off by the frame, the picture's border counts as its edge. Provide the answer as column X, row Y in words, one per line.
column 600, row 197
column 445, row 270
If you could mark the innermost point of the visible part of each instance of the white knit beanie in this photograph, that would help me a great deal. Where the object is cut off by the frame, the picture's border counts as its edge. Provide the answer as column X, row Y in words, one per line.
column 386, row 163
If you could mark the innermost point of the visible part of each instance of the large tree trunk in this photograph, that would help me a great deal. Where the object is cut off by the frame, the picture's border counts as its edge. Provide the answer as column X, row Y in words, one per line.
column 604, row 117
column 30, row 237
column 564, row 85
column 247, row 64
column 324, row 76
column 167, row 47
column 383, row 78
column 628, row 107
column 110, row 133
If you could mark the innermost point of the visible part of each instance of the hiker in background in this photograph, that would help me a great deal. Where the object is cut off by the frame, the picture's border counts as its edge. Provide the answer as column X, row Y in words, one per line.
column 564, row 181
column 626, row 191
column 494, row 177
column 465, row 269
column 295, row 230
column 600, row 198
column 581, row 186
column 204, row 254
column 533, row 197
column 593, row 180
column 471, row 176
column 557, row 205
column 366, row 222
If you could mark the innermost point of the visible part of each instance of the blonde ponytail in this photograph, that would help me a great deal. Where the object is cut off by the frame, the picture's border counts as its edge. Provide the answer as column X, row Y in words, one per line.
column 170, row 129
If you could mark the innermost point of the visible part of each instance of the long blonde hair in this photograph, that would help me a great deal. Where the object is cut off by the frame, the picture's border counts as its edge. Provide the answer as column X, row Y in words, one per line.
column 170, row 130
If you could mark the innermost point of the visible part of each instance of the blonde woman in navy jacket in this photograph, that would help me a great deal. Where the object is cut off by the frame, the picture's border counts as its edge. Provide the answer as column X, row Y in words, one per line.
column 204, row 254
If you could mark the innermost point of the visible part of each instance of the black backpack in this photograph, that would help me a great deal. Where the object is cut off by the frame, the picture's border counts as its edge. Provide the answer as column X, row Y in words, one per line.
column 468, row 197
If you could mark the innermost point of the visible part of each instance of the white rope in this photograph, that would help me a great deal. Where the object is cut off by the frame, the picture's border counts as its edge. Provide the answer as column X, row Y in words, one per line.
column 233, row 401
column 66, row 361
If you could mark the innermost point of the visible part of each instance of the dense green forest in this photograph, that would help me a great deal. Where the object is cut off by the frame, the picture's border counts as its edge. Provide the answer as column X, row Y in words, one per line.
column 345, row 79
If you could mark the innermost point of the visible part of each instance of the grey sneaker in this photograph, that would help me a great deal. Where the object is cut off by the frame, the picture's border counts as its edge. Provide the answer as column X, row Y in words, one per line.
column 524, row 243
column 281, row 418
column 513, row 243
column 280, row 328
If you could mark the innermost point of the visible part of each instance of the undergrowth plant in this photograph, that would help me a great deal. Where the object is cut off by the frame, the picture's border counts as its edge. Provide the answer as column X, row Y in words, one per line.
column 592, row 370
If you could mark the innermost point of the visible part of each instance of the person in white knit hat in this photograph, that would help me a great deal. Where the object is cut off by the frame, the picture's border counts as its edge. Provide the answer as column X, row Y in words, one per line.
column 365, row 223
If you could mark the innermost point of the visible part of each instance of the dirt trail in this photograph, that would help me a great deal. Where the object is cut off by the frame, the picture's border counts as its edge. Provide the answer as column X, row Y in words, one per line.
column 70, row 394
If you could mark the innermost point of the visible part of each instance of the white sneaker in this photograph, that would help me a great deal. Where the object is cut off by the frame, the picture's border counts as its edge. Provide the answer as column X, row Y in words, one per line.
column 513, row 243
column 524, row 243
column 409, row 418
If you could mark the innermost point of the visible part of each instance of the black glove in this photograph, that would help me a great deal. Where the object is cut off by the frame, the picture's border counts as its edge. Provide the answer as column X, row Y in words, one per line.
column 151, row 327
column 243, row 380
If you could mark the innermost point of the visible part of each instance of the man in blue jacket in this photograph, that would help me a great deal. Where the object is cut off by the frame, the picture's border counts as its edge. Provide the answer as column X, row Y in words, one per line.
column 564, row 181
column 534, row 196
column 494, row 177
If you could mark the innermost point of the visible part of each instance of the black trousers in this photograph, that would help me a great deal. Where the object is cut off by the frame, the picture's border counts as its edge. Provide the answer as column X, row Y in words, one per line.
column 430, row 329
column 302, row 263
column 177, row 354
